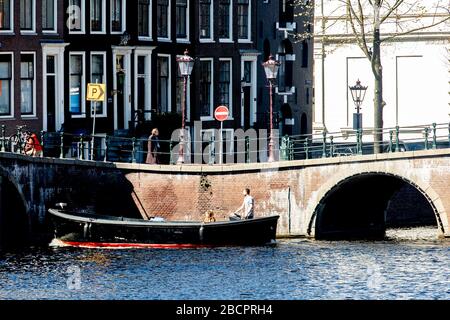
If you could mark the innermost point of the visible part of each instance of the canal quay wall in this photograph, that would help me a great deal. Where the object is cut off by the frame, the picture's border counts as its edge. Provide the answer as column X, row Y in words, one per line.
column 298, row 191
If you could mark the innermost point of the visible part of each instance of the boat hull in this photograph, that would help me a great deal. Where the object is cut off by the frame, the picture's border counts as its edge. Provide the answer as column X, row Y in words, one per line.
column 113, row 232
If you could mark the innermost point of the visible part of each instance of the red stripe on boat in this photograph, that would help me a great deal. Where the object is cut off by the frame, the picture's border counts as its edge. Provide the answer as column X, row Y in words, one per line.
column 105, row 245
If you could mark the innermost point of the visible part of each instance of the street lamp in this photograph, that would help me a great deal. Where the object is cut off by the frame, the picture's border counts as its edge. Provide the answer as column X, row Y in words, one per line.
column 358, row 94
column 186, row 65
column 271, row 67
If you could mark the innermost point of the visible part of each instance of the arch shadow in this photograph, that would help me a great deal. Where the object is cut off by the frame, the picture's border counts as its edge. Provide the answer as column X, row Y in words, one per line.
column 14, row 213
column 356, row 206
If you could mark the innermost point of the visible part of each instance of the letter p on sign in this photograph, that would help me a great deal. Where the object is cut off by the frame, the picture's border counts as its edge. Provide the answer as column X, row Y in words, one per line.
column 96, row 92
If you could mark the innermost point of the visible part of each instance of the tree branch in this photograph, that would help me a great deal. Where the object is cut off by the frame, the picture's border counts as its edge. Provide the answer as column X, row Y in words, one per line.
column 361, row 40
column 415, row 30
column 362, row 44
column 394, row 7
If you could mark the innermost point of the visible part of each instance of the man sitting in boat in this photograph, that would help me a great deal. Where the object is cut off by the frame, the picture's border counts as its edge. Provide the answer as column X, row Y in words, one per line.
column 248, row 206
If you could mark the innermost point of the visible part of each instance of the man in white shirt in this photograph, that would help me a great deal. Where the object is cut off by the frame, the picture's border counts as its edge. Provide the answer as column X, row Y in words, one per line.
column 248, row 206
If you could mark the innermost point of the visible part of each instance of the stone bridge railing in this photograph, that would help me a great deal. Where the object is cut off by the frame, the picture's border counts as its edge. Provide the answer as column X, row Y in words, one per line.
column 242, row 147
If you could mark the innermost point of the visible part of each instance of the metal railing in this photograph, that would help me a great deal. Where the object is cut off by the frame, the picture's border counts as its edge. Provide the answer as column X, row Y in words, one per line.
column 236, row 150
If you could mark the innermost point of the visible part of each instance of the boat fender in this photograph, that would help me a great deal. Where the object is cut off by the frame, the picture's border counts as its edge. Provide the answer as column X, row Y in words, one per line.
column 200, row 232
column 87, row 230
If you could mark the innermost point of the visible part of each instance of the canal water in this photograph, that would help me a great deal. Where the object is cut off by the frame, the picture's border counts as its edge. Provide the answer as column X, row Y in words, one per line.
column 410, row 265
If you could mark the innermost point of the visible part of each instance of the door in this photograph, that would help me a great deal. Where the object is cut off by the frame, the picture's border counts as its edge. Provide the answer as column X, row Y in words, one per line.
column 247, row 106
column 120, row 92
column 51, row 93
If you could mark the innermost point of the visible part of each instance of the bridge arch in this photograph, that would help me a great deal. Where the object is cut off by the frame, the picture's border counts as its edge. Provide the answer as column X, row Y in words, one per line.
column 352, row 204
column 14, row 218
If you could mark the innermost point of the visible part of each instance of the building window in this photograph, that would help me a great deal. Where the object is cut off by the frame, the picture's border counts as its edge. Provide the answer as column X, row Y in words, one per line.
column 181, row 18
column 144, row 19
column 205, row 16
column 225, row 83
column 243, row 19
column 26, row 15
column 117, row 15
column 76, row 83
column 248, row 71
column 162, row 13
column 305, row 54
column 206, row 89
column 98, row 76
column 163, row 84
column 224, row 19
column 26, row 84
column 5, row 84
column 76, row 16
column 49, row 15
column 97, row 16
column 143, row 83
column 285, row 74
column 5, row 15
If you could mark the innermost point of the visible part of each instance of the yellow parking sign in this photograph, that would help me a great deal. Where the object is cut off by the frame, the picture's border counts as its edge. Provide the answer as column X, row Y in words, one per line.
column 96, row 92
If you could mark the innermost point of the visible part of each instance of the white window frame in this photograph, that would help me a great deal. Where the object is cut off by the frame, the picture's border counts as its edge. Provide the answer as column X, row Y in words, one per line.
column 124, row 17
column 169, row 87
column 57, row 51
column 254, row 90
column 187, row 38
column 33, row 115
column 11, row 115
column 33, row 21
column 11, row 19
column 249, row 26
column 150, row 24
column 147, row 53
column 230, row 24
column 126, row 52
column 83, row 84
column 230, row 92
column 169, row 24
column 211, row 25
column 103, row 31
column 55, row 21
column 211, row 98
column 82, row 19
column 105, row 81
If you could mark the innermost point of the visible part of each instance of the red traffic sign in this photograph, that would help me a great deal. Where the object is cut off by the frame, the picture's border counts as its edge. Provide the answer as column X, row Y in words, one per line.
column 221, row 114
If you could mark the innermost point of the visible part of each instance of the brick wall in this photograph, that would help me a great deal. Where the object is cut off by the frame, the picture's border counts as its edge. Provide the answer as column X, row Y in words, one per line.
column 292, row 190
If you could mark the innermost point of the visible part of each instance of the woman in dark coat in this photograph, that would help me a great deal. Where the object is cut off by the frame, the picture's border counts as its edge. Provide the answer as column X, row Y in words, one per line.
column 153, row 147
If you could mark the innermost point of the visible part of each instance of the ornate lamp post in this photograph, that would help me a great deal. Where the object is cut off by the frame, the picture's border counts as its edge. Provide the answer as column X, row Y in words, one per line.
column 358, row 94
column 186, row 65
column 271, row 67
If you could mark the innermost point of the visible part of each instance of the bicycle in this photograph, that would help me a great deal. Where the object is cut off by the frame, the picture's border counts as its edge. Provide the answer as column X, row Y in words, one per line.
column 18, row 140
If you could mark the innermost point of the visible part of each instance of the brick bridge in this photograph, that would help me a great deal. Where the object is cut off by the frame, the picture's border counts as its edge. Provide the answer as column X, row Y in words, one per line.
column 322, row 198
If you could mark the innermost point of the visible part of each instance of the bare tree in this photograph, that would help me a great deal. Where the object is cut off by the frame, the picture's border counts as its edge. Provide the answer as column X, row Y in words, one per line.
column 372, row 23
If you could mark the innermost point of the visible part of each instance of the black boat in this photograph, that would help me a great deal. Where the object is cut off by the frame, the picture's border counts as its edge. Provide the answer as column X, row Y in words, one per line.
column 98, row 231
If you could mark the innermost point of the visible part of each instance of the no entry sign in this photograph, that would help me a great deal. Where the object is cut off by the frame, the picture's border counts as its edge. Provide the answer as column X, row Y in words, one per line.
column 221, row 114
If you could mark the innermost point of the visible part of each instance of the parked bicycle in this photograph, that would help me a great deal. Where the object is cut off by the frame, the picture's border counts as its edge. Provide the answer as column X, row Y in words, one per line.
column 17, row 141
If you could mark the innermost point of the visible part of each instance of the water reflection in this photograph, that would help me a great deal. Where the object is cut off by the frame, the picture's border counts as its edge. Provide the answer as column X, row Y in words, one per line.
column 294, row 269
